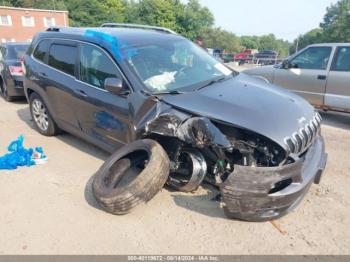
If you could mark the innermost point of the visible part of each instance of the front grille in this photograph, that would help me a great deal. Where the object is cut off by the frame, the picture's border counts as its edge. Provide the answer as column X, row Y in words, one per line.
column 301, row 140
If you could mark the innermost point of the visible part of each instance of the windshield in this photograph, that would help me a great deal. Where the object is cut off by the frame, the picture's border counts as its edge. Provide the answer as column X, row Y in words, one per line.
column 168, row 66
column 16, row 52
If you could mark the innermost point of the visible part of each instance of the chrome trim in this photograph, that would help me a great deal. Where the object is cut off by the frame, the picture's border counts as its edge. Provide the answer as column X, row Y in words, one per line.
column 306, row 135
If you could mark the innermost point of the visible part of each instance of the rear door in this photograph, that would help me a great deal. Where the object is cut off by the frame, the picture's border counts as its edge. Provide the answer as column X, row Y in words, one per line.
column 61, row 82
column 102, row 116
column 307, row 75
column 338, row 84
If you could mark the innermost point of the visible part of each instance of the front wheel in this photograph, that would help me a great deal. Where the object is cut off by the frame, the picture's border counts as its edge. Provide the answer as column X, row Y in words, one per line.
column 41, row 116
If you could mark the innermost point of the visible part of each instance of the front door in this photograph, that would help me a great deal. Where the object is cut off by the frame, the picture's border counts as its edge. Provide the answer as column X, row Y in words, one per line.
column 102, row 116
column 307, row 74
column 338, row 84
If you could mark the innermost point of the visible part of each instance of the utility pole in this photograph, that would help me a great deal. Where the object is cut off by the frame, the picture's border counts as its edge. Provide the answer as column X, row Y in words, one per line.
column 297, row 45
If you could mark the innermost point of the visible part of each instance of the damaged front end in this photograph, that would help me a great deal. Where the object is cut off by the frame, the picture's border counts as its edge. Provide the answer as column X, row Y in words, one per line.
column 258, row 178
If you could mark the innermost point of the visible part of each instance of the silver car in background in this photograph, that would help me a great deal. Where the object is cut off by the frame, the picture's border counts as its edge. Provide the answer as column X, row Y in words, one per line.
column 320, row 73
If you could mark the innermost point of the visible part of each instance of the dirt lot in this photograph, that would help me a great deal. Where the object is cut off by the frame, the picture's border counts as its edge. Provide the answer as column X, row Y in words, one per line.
column 49, row 209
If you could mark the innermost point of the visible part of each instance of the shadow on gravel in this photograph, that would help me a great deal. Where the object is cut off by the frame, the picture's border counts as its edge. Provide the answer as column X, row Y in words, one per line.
column 69, row 139
column 204, row 203
column 335, row 119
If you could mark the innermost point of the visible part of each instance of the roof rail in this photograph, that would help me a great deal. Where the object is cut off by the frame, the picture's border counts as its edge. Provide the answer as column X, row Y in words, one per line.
column 155, row 28
column 53, row 29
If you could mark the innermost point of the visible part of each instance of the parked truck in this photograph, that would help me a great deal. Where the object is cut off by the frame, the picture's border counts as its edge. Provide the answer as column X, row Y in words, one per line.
column 320, row 73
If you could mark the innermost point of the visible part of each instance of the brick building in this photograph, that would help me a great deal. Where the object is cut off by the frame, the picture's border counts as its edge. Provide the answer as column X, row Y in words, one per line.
column 21, row 24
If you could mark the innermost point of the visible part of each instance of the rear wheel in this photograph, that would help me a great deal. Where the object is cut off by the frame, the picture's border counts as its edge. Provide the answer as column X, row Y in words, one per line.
column 131, row 176
column 4, row 92
column 41, row 116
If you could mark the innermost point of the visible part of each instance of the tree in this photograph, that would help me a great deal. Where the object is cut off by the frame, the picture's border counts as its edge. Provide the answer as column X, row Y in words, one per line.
column 95, row 12
column 186, row 19
column 336, row 22
column 154, row 12
column 195, row 19
column 250, row 42
column 218, row 38
column 40, row 4
column 312, row 37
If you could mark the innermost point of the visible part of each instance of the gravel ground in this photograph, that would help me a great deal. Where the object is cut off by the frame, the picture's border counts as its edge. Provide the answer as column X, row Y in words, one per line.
column 49, row 209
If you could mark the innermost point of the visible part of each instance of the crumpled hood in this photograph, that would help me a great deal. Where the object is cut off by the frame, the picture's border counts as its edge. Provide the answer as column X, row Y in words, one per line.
column 248, row 103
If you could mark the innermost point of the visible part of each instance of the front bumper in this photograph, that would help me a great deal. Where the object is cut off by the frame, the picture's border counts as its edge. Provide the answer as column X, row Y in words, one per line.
column 265, row 193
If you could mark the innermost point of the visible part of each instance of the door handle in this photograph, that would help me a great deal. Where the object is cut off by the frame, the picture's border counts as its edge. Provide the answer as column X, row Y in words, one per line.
column 321, row 77
column 80, row 92
column 42, row 74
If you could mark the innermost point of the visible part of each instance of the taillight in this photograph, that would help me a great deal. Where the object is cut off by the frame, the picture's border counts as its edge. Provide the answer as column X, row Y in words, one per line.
column 23, row 66
column 16, row 70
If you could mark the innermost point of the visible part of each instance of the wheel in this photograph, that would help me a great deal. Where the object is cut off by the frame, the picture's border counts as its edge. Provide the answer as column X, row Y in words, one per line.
column 131, row 176
column 190, row 173
column 4, row 93
column 41, row 117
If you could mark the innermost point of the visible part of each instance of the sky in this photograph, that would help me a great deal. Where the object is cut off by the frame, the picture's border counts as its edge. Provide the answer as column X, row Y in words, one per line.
column 286, row 19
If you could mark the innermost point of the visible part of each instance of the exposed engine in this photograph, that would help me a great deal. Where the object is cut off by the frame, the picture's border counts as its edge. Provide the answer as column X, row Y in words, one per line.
column 212, row 151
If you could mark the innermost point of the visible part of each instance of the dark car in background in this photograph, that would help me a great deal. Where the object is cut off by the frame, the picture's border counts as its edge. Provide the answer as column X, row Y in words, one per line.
column 11, row 72
column 171, row 113
column 266, row 57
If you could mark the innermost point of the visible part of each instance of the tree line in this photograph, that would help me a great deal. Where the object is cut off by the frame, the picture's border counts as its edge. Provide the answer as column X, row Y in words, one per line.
column 191, row 20
column 335, row 27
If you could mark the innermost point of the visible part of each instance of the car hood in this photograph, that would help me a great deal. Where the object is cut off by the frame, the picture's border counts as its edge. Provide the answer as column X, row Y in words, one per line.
column 248, row 103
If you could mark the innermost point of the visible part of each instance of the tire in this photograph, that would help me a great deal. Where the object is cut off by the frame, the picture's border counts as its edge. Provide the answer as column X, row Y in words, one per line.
column 5, row 94
column 38, row 110
column 131, row 176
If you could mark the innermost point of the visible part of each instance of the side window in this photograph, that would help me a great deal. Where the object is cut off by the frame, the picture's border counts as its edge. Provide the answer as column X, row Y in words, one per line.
column 312, row 58
column 95, row 66
column 41, row 50
column 341, row 61
column 63, row 57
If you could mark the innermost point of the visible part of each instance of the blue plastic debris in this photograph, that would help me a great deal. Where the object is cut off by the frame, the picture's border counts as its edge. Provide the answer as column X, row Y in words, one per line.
column 20, row 156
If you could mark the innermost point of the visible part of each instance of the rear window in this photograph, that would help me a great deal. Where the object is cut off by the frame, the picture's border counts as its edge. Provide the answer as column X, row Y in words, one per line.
column 41, row 50
column 63, row 57
column 16, row 52
column 342, row 59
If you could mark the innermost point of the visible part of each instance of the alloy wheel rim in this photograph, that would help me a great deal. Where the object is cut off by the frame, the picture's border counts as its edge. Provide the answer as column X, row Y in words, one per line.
column 40, row 115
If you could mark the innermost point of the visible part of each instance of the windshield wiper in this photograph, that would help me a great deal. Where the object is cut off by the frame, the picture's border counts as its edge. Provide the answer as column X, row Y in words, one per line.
column 212, row 82
column 173, row 92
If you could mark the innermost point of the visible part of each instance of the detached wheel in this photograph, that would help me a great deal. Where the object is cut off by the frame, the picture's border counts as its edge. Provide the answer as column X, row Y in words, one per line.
column 41, row 116
column 131, row 176
column 190, row 173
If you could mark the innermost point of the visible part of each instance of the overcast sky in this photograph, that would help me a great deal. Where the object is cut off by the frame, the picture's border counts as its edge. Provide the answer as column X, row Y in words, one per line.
column 285, row 18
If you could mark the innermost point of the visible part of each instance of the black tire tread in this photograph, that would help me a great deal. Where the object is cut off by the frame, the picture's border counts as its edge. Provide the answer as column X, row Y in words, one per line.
column 145, row 186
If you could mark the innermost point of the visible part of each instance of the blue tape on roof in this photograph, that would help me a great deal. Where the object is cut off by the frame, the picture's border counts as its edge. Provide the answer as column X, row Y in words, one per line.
column 112, row 43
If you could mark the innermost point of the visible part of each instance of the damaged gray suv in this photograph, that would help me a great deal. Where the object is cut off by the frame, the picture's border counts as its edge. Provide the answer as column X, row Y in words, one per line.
column 171, row 114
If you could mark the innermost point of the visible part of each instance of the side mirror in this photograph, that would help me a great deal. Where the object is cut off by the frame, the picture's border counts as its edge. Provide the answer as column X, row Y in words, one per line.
column 285, row 64
column 114, row 85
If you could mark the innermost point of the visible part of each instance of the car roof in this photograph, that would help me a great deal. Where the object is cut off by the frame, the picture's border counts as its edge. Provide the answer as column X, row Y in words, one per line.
column 132, row 36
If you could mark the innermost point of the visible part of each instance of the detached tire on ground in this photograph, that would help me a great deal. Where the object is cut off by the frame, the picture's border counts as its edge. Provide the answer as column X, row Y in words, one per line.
column 131, row 176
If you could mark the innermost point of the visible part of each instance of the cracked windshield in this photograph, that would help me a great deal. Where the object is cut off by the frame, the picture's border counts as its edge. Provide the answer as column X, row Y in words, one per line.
column 176, row 66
